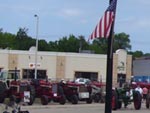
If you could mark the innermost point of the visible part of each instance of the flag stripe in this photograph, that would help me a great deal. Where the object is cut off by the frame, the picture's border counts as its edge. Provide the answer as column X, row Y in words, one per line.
column 102, row 29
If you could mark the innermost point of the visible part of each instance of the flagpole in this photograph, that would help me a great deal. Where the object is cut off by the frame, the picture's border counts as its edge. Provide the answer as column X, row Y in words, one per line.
column 109, row 78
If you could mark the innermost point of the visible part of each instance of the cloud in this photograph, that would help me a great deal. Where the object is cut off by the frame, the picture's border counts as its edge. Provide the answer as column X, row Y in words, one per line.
column 83, row 21
column 15, row 7
column 70, row 13
column 21, row 7
column 133, row 23
column 139, row 24
column 127, row 19
column 144, row 2
column 77, row 16
column 144, row 23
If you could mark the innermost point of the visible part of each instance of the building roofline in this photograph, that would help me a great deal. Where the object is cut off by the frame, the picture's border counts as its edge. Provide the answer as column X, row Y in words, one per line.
column 46, row 53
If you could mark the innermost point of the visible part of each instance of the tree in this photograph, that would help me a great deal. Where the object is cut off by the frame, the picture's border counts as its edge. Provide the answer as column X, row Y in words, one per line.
column 43, row 45
column 53, row 46
column 22, row 33
column 121, row 41
column 23, row 41
column 70, row 44
column 83, row 44
column 7, row 40
column 136, row 54
column 99, row 45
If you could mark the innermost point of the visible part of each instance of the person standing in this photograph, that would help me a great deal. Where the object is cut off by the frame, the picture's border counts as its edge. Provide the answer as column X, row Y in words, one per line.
column 145, row 91
column 138, row 88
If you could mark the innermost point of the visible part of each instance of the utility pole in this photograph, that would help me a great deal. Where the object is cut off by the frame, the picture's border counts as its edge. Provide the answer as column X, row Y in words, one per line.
column 36, row 48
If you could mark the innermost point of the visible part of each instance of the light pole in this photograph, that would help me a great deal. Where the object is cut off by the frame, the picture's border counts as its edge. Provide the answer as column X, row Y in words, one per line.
column 36, row 48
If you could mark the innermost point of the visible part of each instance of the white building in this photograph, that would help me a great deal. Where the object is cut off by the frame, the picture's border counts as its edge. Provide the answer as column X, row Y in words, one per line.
column 58, row 65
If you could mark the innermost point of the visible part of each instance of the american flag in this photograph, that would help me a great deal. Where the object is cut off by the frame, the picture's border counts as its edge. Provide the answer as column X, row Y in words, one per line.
column 102, row 29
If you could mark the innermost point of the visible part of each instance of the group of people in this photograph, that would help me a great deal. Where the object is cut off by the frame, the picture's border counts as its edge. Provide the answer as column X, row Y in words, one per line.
column 129, row 92
column 143, row 91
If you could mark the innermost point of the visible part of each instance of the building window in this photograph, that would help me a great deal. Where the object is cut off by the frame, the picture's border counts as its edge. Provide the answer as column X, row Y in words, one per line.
column 89, row 75
column 121, row 79
column 29, row 73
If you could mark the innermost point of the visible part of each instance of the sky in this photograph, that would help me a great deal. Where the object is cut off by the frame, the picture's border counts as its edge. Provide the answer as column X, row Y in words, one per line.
column 59, row 18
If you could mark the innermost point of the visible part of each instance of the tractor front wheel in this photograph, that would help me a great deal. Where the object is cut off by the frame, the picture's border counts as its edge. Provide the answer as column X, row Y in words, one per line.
column 44, row 100
column 137, row 99
column 74, row 99
column 31, row 100
column 119, row 104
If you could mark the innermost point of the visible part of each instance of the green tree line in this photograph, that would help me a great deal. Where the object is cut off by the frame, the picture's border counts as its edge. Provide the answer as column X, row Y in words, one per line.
column 21, row 41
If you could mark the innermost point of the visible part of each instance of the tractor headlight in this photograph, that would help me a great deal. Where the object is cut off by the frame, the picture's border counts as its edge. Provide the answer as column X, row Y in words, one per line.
column 55, row 94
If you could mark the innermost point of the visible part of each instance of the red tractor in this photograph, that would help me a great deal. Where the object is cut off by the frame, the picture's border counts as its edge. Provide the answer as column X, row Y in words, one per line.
column 70, row 91
column 43, row 90
column 75, row 92
column 17, row 91
column 94, row 90
column 85, row 93
column 46, row 92
column 58, row 93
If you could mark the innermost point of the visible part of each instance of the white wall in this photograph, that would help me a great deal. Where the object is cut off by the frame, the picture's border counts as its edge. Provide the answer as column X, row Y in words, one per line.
column 73, row 62
column 45, row 61
column 4, row 59
column 122, row 60
column 85, row 63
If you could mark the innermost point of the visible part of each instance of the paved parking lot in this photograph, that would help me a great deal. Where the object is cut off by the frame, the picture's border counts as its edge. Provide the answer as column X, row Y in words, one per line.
column 79, row 108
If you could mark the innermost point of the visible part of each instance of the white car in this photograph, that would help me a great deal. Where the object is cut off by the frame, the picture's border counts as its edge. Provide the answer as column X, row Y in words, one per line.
column 82, row 81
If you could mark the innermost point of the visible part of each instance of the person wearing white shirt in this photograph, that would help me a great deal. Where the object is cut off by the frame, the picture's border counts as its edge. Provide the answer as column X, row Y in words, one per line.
column 138, row 88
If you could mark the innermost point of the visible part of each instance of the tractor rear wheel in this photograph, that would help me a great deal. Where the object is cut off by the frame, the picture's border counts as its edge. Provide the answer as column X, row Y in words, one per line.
column 2, row 91
column 148, row 101
column 137, row 99
column 114, row 100
column 62, row 100
column 89, row 100
column 97, row 98
column 44, row 100
column 12, row 98
column 2, row 98
column 102, row 99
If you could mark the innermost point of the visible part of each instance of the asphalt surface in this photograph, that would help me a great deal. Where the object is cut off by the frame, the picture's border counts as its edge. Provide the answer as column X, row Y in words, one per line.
column 82, row 108
column 79, row 108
